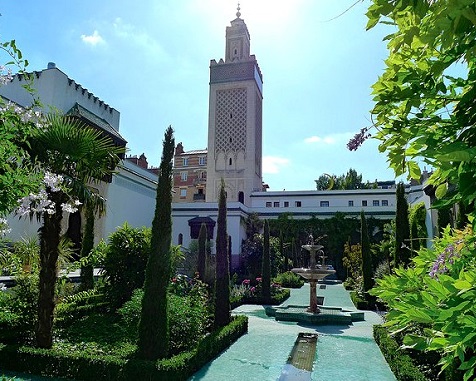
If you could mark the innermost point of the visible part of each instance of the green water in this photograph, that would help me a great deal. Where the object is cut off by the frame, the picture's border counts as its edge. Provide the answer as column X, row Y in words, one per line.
column 343, row 352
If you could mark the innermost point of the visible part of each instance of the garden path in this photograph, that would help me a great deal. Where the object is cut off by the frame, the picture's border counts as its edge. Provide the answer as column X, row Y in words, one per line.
column 343, row 352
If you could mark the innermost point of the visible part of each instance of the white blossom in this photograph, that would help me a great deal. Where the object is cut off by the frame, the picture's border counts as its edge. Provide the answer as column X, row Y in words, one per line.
column 53, row 181
column 4, row 228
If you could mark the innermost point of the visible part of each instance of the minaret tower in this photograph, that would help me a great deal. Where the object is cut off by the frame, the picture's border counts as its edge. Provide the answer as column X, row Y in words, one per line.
column 235, row 119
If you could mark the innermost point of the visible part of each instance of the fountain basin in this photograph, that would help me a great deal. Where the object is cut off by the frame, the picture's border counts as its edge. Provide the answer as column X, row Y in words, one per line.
column 316, row 274
column 328, row 315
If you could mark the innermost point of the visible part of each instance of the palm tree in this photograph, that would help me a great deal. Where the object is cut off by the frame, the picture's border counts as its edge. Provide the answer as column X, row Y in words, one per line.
column 82, row 156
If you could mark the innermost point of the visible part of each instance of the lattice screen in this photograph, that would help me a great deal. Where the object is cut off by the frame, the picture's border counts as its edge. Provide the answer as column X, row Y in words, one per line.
column 230, row 120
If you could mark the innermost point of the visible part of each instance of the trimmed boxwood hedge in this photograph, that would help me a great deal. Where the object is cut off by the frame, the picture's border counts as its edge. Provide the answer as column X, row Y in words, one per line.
column 79, row 366
column 400, row 363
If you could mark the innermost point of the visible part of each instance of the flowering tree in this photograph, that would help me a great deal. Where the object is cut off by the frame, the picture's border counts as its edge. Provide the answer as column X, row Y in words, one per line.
column 18, row 176
column 75, row 157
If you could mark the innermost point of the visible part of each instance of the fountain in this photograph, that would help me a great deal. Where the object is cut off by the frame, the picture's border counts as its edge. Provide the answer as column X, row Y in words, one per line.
column 315, row 272
column 313, row 314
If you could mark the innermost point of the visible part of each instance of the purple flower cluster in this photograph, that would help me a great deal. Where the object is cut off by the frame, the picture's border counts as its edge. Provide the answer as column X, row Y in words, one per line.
column 358, row 139
column 447, row 257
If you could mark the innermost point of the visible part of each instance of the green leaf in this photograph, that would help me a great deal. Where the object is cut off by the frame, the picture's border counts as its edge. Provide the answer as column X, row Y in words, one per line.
column 419, row 316
column 441, row 190
column 462, row 284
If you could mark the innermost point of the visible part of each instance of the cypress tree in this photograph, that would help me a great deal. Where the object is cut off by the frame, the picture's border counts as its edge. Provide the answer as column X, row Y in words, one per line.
column 87, row 271
column 284, row 252
column 266, row 266
column 202, row 252
column 154, row 325
column 402, row 228
column 222, row 277
column 366, row 254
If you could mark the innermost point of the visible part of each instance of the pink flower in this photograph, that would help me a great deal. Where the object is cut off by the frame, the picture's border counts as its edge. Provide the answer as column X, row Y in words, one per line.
column 246, row 281
column 258, row 279
column 253, row 289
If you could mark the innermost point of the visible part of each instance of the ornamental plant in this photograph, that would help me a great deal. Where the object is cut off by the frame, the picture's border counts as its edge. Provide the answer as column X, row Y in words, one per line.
column 432, row 301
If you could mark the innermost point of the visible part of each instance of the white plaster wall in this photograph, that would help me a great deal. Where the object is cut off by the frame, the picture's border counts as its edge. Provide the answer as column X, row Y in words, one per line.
column 131, row 198
column 54, row 88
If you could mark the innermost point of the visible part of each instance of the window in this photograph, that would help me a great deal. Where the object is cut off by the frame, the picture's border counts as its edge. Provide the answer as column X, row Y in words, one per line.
column 185, row 161
column 276, row 204
column 202, row 160
column 183, row 192
column 183, row 176
column 324, row 204
column 376, row 203
column 297, row 204
column 230, row 162
column 180, row 239
column 351, row 203
column 268, row 204
column 384, row 202
column 286, row 204
column 364, row 202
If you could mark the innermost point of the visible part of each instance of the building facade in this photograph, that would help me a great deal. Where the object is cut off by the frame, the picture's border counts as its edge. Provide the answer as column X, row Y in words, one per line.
column 189, row 175
column 130, row 193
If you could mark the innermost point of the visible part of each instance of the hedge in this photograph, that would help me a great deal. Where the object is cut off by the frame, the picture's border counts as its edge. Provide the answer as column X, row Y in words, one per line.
column 77, row 365
column 400, row 363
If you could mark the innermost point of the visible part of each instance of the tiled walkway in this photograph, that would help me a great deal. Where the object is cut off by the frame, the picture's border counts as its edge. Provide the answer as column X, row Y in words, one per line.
column 343, row 352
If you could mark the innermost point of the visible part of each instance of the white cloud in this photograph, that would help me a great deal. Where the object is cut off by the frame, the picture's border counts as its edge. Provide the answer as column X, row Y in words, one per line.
column 94, row 39
column 139, row 38
column 273, row 164
column 329, row 139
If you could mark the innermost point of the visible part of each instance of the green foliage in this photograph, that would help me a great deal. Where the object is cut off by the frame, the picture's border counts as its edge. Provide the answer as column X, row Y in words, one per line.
column 202, row 252
column 266, row 267
column 367, row 273
column 18, row 175
column 125, row 262
column 418, row 233
column 18, row 310
column 350, row 180
column 87, row 269
column 352, row 260
column 154, row 323
column 432, row 302
column 222, row 280
column 425, row 103
column 188, row 318
column 82, row 361
column 289, row 280
column 401, row 364
column 402, row 228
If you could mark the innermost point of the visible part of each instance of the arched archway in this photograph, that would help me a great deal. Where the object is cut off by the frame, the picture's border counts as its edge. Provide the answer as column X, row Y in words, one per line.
column 241, row 197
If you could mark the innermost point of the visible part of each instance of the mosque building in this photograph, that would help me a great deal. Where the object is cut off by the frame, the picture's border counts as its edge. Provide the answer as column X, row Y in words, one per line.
column 233, row 154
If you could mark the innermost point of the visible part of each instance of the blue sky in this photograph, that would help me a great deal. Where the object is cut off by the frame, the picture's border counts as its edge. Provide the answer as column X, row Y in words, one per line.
column 150, row 60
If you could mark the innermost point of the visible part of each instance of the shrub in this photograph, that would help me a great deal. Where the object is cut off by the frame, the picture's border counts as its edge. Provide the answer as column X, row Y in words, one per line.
column 77, row 363
column 432, row 301
column 125, row 262
column 289, row 280
column 188, row 316
column 400, row 363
